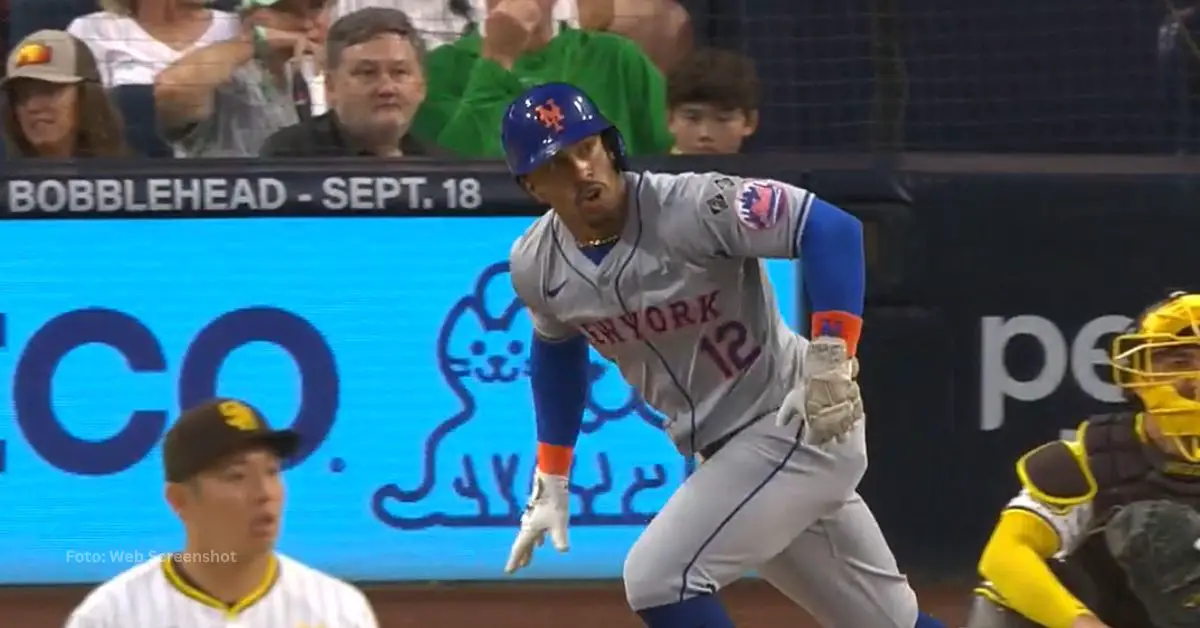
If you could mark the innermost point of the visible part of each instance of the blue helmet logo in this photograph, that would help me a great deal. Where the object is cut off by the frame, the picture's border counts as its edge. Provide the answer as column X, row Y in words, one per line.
column 545, row 120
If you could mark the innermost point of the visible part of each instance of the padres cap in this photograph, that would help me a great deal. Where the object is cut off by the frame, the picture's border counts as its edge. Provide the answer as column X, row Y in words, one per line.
column 206, row 434
column 54, row 57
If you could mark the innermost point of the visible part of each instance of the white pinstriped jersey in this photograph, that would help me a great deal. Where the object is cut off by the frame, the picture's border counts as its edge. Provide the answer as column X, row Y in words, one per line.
column 682, row 303
column 151, row 595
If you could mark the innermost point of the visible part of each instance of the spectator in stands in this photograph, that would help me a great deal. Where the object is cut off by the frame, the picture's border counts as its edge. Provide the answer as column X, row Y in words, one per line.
column 227, row 98
column 54, row 104
column 472, row 81
column 712, row 102
column 133, row 40
column 661, row 27
column 439, row 22
column 375, row 82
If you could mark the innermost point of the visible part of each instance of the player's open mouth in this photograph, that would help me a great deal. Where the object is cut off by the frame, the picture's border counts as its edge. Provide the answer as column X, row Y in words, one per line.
column 588, row 194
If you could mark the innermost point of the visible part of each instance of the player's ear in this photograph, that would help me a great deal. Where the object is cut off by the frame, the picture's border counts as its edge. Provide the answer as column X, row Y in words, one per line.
column 529, row 187
column 751, row 123
column 178, row 494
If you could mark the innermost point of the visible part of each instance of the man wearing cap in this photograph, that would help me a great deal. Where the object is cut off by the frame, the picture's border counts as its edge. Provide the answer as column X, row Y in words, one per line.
column 222, row 465
column 225, row 99
column 56, row 106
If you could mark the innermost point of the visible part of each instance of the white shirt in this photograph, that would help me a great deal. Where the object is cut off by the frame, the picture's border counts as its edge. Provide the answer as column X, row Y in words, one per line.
column 150, row 595
column 437, row 24
column 128, row 55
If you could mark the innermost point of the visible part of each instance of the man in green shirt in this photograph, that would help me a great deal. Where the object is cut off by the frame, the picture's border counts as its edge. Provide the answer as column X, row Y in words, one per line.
column 472, row 81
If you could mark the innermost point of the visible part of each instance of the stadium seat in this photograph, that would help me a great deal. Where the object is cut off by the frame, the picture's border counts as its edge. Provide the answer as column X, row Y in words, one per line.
column 29, row 16
column 136, row 103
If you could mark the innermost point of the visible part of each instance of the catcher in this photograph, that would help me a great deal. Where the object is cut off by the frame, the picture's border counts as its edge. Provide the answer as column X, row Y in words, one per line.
column 1104, row 531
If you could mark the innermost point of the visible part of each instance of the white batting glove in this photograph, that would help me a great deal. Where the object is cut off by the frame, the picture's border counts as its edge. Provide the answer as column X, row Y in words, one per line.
column 549, row 510
column 827, row 398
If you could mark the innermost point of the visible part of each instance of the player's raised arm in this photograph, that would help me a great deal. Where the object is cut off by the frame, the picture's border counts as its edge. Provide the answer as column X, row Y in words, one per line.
column 558, row 364
column 1050, row 514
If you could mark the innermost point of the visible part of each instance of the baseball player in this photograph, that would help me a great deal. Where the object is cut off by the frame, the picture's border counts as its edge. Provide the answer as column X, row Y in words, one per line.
column 222, row 467
column 1104, row 530
column 661, row 273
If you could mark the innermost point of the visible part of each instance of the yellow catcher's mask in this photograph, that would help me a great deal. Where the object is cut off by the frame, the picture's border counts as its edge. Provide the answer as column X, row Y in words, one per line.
column 1143, row 363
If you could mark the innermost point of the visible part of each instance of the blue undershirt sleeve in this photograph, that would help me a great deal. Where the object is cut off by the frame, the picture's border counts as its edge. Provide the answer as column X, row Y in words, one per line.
column 833, row 264
column 558, row 372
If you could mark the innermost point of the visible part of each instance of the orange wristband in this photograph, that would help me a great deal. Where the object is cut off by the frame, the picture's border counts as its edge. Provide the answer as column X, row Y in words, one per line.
column 554, row 459
column 842, row 325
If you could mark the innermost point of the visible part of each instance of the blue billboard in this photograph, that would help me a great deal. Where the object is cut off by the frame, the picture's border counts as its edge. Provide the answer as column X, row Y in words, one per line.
column 395, row 345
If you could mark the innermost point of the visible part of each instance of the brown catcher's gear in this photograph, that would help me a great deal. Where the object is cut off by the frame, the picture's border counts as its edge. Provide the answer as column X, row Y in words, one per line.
column 1119, row 468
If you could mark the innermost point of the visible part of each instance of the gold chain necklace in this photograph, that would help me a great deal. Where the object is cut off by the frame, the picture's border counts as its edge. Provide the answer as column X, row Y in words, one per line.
column 587, row 244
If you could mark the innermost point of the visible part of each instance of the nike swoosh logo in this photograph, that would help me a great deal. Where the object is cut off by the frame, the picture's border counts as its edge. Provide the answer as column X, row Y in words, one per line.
column 553, row 292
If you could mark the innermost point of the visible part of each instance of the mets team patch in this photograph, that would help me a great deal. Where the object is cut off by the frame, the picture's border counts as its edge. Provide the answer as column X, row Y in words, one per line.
column 761, row 204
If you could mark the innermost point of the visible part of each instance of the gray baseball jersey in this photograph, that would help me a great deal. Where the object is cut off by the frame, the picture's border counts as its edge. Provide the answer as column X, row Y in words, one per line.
column 681, row 304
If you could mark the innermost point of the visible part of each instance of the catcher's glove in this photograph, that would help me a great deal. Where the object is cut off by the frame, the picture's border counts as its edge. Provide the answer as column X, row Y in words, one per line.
column 1156, row 543
column 549, row 510
column 827, row 398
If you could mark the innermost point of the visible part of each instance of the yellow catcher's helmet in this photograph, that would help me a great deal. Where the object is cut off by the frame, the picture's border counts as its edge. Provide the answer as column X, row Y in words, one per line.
column 1170, row 324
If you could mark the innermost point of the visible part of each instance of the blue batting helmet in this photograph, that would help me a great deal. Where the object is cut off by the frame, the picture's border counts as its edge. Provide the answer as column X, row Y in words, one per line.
column 548, row 118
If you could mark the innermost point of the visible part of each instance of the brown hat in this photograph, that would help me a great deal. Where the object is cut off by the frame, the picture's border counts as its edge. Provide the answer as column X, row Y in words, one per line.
column 52, row 56
column 207, row 433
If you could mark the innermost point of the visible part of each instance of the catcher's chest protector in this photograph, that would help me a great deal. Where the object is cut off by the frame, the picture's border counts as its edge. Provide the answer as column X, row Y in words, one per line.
column 1127, row 470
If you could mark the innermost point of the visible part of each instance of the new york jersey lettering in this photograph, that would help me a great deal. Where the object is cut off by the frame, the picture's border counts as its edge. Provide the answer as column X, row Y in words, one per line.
column 681, row 304
column 653, row 320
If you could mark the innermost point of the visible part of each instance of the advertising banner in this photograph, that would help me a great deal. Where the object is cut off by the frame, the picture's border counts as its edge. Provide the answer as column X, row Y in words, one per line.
column 389, row 334
column 394, row 344
column 250, row 188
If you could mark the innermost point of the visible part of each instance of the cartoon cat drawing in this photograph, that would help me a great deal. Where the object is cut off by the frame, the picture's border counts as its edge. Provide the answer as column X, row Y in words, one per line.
column 478, row 464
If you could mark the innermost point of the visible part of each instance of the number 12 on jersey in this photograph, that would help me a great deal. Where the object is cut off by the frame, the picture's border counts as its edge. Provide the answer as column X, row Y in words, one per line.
column 726, row 347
